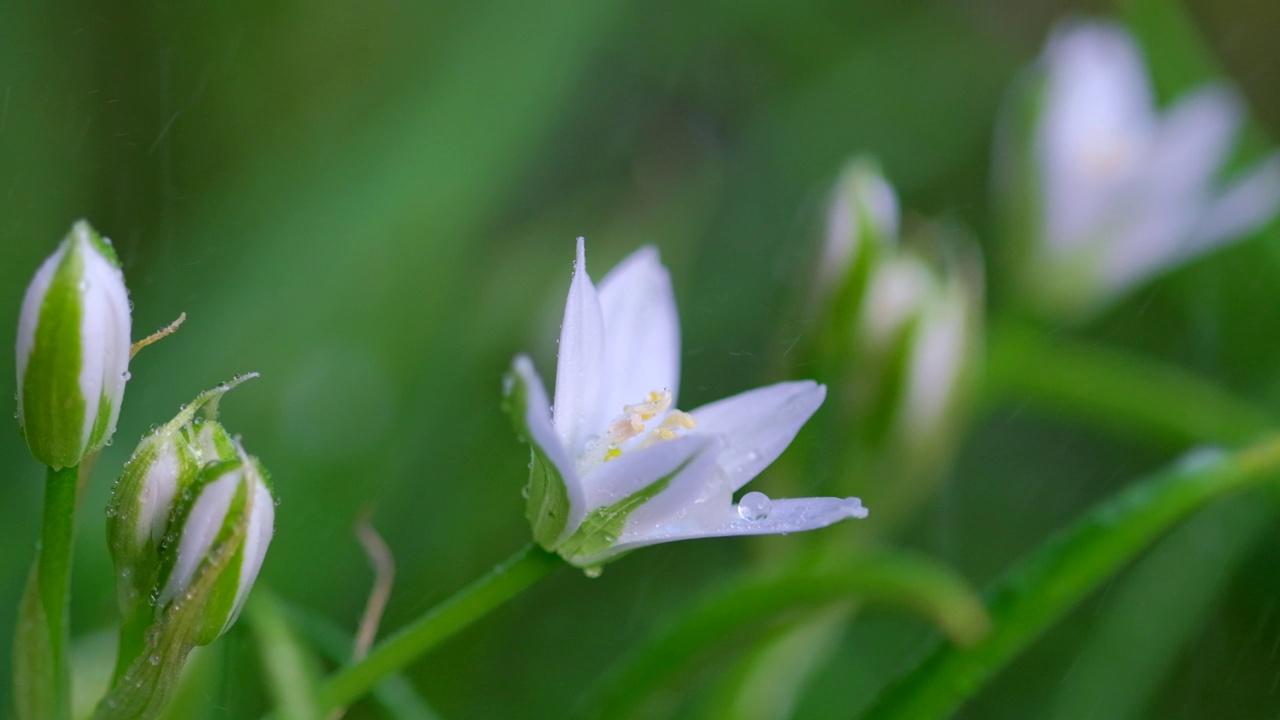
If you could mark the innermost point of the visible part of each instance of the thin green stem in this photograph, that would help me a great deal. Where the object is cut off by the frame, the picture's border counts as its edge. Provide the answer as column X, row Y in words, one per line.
column 746, row 605
column 438, row 624
column 1116, row 390
column 1041, row 589
column 53, row 574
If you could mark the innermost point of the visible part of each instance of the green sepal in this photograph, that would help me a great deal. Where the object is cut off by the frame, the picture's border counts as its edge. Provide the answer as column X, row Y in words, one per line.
column 548, row 507
column 53, row 403
column 144, row 689
column 592, row 543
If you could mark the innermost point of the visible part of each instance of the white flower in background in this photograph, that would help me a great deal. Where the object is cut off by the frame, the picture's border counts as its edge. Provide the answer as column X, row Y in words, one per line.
column 73, row 350
column 1127, row 191
column 217, row 539
column 862, row 217
column 615, row 465
column 920, row 332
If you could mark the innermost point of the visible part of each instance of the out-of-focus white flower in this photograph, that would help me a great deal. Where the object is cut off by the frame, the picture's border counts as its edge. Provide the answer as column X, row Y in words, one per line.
column 216, row 542
column 919, row 332
column 862, row 217
column 73, row 350
column 1123, row 191
column 615, row 465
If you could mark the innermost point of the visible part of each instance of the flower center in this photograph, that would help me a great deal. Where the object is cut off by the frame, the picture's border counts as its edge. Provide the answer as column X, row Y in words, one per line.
column 639, row 426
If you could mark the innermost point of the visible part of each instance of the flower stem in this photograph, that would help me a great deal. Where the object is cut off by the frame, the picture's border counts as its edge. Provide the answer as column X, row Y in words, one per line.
column 438, row 624
column 1042, row 588
column 44, row 676
column 1116, row 390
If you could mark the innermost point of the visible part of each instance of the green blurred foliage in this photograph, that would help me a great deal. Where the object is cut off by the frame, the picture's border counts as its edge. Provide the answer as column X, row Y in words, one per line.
column 373, row 205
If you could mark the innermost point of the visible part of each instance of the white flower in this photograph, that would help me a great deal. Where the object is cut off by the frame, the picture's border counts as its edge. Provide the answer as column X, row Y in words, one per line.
column 863, row 215
column 615, row 465
column 1125, row 191
column 73, row 350
column 919, row 331
column 229, row 502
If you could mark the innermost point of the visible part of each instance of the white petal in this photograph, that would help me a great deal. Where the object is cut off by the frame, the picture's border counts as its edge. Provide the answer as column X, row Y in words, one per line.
column 105, row 330
column 641, row 330
column 261, row 526
column 537, row 421
column 785, row 516
column 758, row 425
column 1244, row 206
column 29, row 319
column 578, row 412
column 632, row 472
column 202, row 526
column 1193, row 142
column 1097, row 122
column 938, row 355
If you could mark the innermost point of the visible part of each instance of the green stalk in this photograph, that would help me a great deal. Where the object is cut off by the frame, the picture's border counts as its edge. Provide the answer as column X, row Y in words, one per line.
column 1041, row 589
column 1116, row 390
column 438, row 624
column 743, row 607
column 42, row 674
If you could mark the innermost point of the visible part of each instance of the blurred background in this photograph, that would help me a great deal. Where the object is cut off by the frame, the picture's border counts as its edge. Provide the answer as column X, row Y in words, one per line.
column 374, row 205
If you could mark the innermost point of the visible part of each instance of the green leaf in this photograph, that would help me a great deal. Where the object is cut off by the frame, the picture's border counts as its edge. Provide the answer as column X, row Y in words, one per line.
column 1151, row 617
column 395, row 693
column 35, row 686
column 741, row 607
column 1038, row 591
column 292, row 671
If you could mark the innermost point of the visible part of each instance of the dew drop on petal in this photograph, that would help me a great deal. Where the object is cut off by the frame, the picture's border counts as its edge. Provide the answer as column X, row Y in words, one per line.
column 755, row 506
column 593, row 572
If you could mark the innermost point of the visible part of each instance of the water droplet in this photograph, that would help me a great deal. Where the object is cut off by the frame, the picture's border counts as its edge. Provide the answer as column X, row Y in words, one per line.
column 525, row 492
column 126, row 375
column 593, row 572
column 754, row 506
column 753, row 456
column 154, row 659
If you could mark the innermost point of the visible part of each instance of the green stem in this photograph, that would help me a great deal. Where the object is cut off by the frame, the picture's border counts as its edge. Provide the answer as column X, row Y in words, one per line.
column 438, row 624
column 1116, row 390
column 1041, row 589
column 53, row 574
column 743, row 607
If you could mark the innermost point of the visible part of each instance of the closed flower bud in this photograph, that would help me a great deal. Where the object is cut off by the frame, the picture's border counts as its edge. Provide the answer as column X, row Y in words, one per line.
column 216, row 543
column 73, row 350
column 166, row 463
column 862, row 219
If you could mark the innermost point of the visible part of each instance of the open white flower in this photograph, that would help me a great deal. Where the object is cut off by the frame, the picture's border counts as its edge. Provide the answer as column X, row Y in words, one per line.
column 615, row 465
column 1125, row 191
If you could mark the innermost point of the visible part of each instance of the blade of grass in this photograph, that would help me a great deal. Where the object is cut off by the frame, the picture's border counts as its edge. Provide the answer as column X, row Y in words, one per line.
column 1038, row 591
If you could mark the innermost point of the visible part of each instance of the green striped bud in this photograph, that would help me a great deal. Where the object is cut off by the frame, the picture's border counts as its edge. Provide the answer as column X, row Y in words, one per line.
column 73, row 350
column 165, row 465
column 217, row 540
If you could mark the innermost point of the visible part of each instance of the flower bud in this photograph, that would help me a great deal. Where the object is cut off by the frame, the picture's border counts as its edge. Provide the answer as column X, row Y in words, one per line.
column 165, row 464
column 217, row 540
column 862, row 218
column 73, row 350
